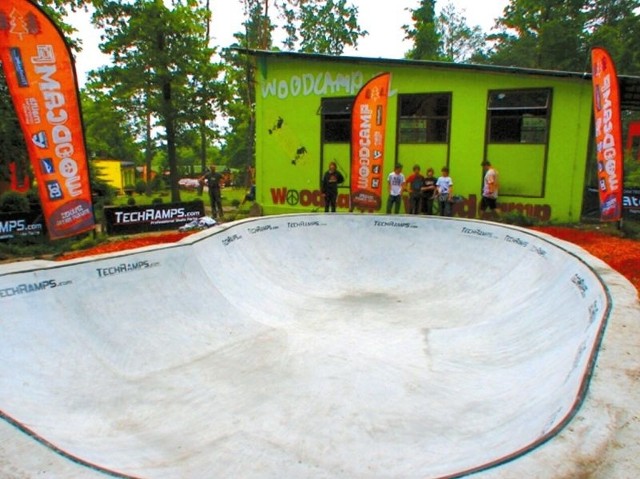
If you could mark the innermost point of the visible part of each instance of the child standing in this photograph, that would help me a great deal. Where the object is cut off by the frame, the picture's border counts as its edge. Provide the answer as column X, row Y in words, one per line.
column 444, row 186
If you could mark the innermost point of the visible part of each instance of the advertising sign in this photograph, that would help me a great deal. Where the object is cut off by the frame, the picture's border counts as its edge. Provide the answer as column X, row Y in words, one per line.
column 608, row 134
column 20, row 225
column 368, row 129
column 139, row 219
column 42, row 82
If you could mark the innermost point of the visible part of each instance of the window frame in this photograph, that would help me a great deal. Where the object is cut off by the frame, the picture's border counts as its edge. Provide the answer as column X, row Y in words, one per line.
column 507, row 123
column 336, row 112
column 430, row 125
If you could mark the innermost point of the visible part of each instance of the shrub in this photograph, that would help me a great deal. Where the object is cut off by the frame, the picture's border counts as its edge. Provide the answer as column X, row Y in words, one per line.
column 156, row 201
column 141, row 187
column 157, row 183
column 131, row 201
column 14, row 202
column 631, row 228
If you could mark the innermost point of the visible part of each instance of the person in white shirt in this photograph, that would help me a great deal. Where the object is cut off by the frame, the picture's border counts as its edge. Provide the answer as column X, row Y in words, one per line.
column 490, row 186
column 396, row 187
column 444, row 187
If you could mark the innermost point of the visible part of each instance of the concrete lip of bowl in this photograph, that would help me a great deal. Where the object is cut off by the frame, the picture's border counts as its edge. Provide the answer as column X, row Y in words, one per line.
column 322, row 346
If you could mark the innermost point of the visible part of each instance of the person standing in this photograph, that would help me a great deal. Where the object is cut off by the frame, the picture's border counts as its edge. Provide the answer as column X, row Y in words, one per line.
column 329, row 188
column 490, row 187
column 428, row 192
column 415, row 182
column 444, row 186
column 396, row 183
column 212, row 179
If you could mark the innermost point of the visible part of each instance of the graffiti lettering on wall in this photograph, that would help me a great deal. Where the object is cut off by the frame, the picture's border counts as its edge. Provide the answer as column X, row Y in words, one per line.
column 467, row 208
column 307, row 84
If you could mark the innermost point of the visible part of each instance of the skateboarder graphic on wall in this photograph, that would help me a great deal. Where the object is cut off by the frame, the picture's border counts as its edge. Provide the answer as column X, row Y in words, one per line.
column 288, row 141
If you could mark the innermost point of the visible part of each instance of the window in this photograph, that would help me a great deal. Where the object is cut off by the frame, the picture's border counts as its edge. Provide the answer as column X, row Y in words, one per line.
column 424, row 118
column 336, row 120
column 519, row 116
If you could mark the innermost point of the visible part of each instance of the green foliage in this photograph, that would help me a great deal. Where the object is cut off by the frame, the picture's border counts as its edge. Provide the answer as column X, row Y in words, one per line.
column 161, row 69
column 631, row 172
column 558, row 34
column 459, row 42
column 423, row 33
column 157, row 201
column 87, row 241
column 12, row 146
column 157, row 183
column 131, row 201
column 14, row 202
column 108, row 127
column 320, row 26
column 141, row 187
column 631, row 229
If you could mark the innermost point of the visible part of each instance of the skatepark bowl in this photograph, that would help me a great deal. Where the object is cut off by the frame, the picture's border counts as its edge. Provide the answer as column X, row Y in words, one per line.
column 298, row 346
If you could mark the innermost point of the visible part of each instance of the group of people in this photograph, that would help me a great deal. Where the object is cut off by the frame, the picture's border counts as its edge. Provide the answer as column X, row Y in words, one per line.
column 424, row 191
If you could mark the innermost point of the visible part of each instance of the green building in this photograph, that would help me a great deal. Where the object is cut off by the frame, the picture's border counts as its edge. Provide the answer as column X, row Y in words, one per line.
column 534, row 126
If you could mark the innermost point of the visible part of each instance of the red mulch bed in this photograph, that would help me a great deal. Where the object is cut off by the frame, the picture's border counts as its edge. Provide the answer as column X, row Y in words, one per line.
column 621, row 254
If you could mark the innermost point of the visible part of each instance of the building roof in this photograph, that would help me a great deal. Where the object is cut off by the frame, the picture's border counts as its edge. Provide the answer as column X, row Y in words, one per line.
column 629, row 85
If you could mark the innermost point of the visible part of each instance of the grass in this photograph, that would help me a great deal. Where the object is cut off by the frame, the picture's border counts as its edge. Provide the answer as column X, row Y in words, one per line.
column 43, row 248
column 228, row 196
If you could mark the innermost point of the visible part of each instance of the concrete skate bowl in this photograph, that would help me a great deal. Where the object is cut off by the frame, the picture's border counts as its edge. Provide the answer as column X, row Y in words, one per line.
column 348, row 346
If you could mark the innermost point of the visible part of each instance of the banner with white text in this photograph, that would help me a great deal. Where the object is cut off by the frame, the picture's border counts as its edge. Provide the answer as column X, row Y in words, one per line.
column 368, row 131
column 608, row 134
column 43, row 86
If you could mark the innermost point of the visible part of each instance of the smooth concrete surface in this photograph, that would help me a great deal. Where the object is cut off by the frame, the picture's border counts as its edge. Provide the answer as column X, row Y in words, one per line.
column 323, row 346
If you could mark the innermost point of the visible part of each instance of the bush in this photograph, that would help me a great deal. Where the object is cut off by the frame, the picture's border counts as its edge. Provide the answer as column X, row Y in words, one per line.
column 631, row 228
column 131, row 201
column 141, row 187
column 34, row 199
column 235, row 203
column 14, row 202
column 157, row 201
column 157, row 183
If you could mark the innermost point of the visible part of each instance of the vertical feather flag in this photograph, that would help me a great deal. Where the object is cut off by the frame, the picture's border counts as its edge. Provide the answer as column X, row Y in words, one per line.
column 608, row 134
column 368, row 131
column 42, row 81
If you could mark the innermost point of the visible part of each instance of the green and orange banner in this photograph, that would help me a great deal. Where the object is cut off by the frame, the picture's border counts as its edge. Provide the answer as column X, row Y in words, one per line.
column 608, row 134
column 368, row 132
column 42, row 81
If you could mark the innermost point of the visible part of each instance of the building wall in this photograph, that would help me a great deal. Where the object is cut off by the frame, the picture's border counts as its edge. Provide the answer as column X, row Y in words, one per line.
column 546, row 182
column 113, row 173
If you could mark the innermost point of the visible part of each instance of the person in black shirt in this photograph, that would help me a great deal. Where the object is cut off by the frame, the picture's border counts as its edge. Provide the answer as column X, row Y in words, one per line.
column 212, row 179
column 330, row 181
column 428, row 192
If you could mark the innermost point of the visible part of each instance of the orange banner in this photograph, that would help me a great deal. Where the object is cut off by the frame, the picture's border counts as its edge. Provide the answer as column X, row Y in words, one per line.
column 608, row 134
column 42, row 81
column 368, row 131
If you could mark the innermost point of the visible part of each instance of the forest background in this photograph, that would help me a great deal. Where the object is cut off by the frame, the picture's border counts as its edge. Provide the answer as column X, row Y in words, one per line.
column 172, row 100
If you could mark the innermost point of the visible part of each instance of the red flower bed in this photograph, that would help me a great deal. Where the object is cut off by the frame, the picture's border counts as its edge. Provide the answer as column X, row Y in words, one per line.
column 125, row 244
column 621, row 254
